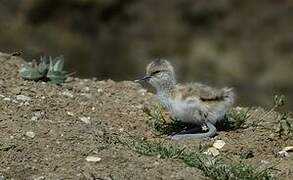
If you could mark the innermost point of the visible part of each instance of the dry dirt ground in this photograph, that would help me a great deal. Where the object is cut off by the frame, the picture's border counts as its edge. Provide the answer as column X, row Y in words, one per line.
column 50, row 134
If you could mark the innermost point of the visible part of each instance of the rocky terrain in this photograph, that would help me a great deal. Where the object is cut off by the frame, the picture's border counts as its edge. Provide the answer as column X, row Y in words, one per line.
column 70, row 131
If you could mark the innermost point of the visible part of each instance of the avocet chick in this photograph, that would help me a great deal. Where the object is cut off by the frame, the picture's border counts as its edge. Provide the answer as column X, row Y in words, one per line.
column 193, row 103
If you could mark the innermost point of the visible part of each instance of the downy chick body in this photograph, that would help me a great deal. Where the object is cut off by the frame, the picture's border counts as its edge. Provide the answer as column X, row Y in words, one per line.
column 194, row 103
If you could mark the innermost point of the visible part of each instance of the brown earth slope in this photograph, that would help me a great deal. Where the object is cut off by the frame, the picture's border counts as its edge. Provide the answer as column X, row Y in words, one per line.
column 47, row 131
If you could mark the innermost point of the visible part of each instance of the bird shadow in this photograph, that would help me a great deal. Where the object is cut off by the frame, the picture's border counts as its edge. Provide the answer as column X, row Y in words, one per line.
column 164, row 124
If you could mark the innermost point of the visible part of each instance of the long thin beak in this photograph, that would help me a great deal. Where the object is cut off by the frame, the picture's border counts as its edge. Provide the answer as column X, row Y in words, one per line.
column 143, row 79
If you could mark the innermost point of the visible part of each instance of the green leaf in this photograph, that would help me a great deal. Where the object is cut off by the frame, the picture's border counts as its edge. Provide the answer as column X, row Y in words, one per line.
column 59, row 64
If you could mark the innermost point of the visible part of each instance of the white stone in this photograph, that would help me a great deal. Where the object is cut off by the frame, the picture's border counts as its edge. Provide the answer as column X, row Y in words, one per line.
column 30, row 134
column 142, row 92
column 86, row 89
column 85, row 119
column 37, row 115
column 68, row 94
column 156, row 163
column 40, row 178
column 23, row 98
column 219, row 144
column 264, row 162
column 87, row 95
column 34, row 118
column 100, row 90
column 93, row 159
column 70, row 113
column 212, row 151
column 6, row 99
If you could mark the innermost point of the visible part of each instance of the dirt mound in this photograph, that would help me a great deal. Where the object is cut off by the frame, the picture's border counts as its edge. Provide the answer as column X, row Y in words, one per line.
column 48, row 131
column 71, row 122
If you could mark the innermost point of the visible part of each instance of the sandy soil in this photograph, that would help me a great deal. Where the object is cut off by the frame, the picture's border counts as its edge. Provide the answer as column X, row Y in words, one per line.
column 49, row 134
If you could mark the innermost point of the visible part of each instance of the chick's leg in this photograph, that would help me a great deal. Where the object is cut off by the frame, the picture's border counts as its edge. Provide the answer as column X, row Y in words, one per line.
column 211, row 132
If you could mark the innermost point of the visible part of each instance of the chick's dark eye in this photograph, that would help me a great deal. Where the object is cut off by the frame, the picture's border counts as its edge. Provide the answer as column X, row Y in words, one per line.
column 156, row 72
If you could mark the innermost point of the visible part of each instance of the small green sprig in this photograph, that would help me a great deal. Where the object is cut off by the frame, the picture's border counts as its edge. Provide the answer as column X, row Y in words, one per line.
column 234, row 119
column 279, row 100
column 160, row 120
column 212, row 167
column 285, row 125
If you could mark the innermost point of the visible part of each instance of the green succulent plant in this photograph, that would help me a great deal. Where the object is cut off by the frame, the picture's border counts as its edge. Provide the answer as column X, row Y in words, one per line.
column 34, row 71
column 56, row 74
column 48, row 69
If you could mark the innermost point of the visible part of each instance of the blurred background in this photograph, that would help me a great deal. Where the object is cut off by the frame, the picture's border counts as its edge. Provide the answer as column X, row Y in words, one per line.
column 244, row 44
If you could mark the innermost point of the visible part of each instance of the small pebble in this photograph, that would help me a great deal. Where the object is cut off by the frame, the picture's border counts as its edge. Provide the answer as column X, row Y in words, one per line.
column 100, row 90
column 212, row 151
column 30, row 134
column 156, row 163
column 219, row 144
column 6, row 99
column 86, row 89
column 93, row 159
column 37, row 115
column 85, row 119
column 87, row 95
column 264, row 162
column 40, row 178
column 34, row 118
column 23, row 98
column 142, row 92
column 68, row 94
column 70, row 113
